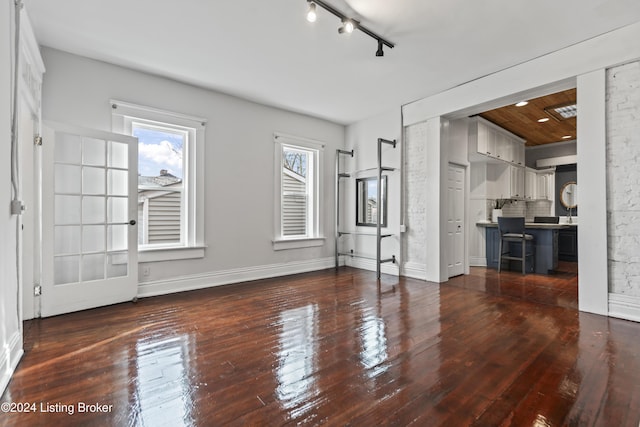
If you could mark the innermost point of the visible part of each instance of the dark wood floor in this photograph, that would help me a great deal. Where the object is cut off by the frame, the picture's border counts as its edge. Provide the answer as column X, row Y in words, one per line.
column 559, row 288
column 334, row 348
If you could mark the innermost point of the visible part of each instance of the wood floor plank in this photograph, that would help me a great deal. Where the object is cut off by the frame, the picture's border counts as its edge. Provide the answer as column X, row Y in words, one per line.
column 337, row 348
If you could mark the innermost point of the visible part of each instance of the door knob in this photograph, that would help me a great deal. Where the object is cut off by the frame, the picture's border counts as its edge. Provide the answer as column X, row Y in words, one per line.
column 132, row 222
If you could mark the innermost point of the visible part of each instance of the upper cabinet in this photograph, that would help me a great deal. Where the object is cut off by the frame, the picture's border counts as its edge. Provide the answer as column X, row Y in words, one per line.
column 539, row 184
column 488, row 142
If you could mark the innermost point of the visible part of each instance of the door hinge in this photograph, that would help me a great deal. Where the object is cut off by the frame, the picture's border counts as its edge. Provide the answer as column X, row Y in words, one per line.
column 37, row 140
column 37, row 290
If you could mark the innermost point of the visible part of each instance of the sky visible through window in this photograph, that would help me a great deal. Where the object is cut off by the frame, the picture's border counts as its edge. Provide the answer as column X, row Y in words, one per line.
column 295, row 161
column 159, row 149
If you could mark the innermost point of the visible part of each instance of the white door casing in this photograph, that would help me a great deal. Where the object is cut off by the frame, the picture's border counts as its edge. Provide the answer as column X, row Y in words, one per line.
column 89, row 208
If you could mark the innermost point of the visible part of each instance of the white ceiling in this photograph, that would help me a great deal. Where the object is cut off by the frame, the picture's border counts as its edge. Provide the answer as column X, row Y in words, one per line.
column 266, row 51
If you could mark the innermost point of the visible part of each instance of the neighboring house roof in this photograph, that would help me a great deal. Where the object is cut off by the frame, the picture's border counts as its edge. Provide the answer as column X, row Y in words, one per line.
column 293, row 174
column 163, row 180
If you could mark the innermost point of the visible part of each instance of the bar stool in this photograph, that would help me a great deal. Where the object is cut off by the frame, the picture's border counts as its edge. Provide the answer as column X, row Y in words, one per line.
column 511, row 230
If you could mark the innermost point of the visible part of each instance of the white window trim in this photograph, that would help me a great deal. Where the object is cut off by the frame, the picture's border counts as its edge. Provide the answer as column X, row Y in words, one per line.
column 123, row 113
column 316, row 237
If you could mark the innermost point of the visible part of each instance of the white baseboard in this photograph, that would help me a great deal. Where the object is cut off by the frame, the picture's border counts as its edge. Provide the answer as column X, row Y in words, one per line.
column 369, row 264
column 226, row 277
column 11, row 355
column 624, row 307
column 478, row 261
column 414, row 270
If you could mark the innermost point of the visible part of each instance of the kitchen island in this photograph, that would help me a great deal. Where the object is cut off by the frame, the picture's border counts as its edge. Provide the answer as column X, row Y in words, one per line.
column 545, row 242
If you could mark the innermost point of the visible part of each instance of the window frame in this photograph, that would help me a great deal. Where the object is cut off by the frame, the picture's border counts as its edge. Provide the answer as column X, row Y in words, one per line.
column 315, row 226
column 192, row 244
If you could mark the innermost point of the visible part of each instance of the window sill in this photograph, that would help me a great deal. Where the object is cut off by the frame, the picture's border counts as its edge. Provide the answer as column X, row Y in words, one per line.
column 170, row 254
column 307, row 242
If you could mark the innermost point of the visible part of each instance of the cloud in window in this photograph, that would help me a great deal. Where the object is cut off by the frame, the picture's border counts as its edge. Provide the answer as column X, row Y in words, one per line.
column 154, row 157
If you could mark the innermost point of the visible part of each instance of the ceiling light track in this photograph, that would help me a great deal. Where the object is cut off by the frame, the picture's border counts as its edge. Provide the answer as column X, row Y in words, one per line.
column 348, row 24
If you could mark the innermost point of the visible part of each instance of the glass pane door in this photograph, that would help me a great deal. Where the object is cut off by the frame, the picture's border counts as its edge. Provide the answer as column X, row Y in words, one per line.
column 91, row 219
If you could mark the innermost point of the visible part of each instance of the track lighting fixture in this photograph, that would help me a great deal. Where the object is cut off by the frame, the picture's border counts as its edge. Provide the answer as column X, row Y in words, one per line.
column 311, row 13
column 348, row 24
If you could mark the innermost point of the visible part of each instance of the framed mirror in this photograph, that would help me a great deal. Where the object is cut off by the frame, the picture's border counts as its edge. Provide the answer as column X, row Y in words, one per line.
column 367, row 202
column 569, row 195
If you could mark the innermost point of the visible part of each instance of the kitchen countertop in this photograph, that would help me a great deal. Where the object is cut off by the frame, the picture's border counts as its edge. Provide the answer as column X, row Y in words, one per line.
column 540, row 225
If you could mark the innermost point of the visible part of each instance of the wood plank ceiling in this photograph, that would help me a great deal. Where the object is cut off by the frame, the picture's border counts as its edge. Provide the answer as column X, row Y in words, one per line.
column 523, row 121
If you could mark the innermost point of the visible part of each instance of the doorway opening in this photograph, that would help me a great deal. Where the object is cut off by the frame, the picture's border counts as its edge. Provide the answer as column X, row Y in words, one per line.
column 544, row 127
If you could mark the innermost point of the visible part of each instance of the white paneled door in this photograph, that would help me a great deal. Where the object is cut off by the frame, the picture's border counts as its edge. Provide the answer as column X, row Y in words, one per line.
column 89, row 214
column 455, row 220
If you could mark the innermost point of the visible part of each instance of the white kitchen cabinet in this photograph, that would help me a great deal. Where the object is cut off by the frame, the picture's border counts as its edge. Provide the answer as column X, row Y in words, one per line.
column 516, row 183
column 489, row 142
column 518, row 153
column 531, row 179
column 545, row 184
column 541, row 186
column 538, row 184
column 505, row 181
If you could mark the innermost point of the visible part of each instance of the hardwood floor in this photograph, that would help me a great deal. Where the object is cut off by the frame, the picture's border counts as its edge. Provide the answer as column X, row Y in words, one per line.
column 333, row 348
column 559, row 288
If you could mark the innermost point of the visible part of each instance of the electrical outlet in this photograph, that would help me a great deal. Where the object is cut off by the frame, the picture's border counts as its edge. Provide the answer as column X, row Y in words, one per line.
column 17, row 207
column 146, row 271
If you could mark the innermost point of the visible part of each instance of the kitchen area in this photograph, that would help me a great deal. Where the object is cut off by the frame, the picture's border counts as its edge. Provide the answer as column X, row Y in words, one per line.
column 522, row 161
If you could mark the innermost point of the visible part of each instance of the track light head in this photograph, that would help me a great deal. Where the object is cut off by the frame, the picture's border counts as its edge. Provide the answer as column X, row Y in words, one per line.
column 347, row 26
column 379, row 52
column 311, row 13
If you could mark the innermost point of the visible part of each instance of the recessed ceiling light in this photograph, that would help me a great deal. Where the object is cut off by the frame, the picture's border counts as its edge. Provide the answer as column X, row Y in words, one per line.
column 522, row 103
column 544, row 119
column 567, row 137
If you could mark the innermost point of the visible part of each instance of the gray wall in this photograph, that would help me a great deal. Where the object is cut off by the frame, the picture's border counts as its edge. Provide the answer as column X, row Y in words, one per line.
column 559, row 149
column 564, row 174
column 239, row 149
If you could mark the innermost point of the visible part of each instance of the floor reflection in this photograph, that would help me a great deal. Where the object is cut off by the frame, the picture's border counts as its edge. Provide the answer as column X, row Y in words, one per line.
column 297, row 356
column 374, row 345
column 162, row 392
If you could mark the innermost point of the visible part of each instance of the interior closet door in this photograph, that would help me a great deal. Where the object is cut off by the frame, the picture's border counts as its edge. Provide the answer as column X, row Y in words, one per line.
column 455, row 220
column 89, row 213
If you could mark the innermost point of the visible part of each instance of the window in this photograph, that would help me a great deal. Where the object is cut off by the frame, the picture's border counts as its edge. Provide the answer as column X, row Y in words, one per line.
column 170, row 189
column 298, row 166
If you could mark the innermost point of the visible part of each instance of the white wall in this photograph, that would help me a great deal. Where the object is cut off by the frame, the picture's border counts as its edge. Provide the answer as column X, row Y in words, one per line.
column 623, row 185
column 547, row 74
column 239, row 150
column 415, row 202
column 362, row 137
column 10, row 334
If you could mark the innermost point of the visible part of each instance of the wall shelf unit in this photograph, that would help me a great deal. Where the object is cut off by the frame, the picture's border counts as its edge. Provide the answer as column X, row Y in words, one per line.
column 378, row 234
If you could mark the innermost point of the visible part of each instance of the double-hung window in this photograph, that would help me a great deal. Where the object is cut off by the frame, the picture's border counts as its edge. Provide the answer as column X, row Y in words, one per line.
column 170, row 180
column 298, row 166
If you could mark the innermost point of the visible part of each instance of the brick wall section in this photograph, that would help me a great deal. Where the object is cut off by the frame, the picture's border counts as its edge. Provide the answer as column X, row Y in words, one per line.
column 415, row 238
column 623, row 178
